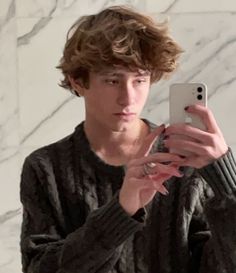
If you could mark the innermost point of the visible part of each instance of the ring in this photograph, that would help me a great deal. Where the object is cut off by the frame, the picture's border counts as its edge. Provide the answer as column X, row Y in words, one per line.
column 147, row 167
column 145, row 170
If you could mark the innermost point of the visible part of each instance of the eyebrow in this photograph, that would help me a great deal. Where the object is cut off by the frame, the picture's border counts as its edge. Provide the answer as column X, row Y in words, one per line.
column 117, row 73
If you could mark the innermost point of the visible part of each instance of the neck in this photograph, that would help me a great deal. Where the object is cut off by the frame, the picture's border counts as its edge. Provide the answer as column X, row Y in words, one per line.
column 116, row 147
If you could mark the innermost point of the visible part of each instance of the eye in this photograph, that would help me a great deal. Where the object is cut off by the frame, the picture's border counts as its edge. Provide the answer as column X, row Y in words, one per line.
column 112, row 81
column 142, row 80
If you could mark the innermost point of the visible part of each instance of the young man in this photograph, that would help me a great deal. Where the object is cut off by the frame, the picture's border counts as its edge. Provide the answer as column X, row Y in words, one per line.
column 110, row 197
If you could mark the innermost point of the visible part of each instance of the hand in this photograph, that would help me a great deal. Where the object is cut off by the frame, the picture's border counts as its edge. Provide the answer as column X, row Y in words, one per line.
column 203, row 146
column 139, row 188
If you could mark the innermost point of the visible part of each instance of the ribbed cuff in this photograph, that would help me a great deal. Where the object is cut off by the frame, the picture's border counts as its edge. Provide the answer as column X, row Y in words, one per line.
column 221, row 175
column 113, row 223
column 140, row 215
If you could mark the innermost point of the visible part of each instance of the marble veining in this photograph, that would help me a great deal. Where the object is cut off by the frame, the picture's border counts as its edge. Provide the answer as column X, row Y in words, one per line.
column 7, row 9
column 25, row 39
column 35, row 111
column 34, row 130
column 9, row 215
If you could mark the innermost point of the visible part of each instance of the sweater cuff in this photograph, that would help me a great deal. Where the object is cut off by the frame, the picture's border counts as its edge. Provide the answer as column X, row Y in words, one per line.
column 221, row 175
column 113, row 223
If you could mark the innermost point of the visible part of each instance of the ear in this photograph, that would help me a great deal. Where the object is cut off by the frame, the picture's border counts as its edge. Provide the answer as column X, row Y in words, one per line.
column 76, row 85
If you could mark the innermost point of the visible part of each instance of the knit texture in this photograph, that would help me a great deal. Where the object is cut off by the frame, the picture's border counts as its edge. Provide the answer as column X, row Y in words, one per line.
column 73, row 222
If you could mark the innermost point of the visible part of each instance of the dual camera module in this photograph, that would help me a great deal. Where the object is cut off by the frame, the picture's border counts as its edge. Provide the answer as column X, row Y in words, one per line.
column 199, row 90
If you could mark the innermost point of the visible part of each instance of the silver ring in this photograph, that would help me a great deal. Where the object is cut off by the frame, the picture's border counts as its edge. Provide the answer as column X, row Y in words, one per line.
column 145, row 170
column 147, row 167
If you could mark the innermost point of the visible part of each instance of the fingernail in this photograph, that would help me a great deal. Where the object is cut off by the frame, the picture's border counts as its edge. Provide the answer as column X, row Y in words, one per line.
column 162, row 125
column 167, row 163
column 186, row 108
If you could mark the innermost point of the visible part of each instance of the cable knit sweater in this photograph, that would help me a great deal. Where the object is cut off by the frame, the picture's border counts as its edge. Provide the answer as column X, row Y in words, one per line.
column 73, row 222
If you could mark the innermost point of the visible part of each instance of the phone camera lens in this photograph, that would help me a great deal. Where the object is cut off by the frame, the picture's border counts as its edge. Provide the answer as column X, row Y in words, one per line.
column 199, row 97
column 199, row 89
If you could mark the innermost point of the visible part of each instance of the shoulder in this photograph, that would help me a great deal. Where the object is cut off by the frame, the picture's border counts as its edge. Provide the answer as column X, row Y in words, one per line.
column 49, row 153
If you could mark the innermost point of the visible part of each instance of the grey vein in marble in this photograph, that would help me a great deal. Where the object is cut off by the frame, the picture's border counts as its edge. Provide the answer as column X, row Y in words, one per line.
column 174, row 2
column 25, row 39
column 10, row 14
column 41, row 24
column 9, row 157
column 210, row 57
column 219, row 87
column 34, row 130
column 70, row 5
column 9, row 215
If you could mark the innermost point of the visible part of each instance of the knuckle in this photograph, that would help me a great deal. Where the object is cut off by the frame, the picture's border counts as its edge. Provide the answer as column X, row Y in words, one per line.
column 212, row 141
column 205, row 149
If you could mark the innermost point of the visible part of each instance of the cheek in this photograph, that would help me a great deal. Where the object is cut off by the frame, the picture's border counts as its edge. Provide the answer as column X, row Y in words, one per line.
column 142, row 96
column 102, row 102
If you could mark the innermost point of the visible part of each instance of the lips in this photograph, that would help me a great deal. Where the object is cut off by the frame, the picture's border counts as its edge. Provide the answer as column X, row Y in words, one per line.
column 125, row 115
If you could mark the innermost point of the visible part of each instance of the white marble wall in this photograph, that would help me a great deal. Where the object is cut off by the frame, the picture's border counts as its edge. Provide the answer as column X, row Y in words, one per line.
column 35, row 111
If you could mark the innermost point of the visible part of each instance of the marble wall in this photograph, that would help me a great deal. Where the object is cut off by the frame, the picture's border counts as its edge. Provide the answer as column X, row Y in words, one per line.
column 35, row 111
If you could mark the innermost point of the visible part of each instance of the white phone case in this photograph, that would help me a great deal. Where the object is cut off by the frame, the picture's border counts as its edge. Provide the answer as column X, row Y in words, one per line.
column 185, row 94
column 182, row 95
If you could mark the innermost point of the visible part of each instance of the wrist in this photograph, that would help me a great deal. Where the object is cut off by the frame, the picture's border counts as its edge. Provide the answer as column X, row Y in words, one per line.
column 127, row 205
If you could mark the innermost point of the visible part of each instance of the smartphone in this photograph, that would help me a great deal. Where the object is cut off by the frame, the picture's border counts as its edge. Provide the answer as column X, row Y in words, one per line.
column 180, row 96
column 185, row 94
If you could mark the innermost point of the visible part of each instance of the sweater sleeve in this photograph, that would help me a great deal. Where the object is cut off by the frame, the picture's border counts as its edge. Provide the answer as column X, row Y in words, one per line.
column 218, row 241
column 94, row 247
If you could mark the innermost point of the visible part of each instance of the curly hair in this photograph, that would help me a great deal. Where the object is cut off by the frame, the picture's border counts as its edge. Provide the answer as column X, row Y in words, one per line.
column 117, row 36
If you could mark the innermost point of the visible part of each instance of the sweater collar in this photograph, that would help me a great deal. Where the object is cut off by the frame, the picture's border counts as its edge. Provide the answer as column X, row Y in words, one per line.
column 84, row 150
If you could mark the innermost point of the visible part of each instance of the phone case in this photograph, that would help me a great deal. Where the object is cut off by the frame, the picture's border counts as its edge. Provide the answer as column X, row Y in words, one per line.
column 185, row 94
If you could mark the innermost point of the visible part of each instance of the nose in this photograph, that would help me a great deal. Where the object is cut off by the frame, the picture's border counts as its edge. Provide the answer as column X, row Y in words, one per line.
column 126, row 94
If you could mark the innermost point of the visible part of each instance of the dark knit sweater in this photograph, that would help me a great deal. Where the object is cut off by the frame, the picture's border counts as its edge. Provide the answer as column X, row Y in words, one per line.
column 73, row 223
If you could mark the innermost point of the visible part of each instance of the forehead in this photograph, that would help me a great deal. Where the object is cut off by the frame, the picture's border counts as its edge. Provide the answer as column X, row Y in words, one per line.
column 122, row 72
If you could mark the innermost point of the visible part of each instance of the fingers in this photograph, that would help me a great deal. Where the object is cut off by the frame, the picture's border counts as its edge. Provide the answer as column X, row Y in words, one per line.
column 155, row 172
column 162, row 189
column 185, row 145
column 163, row 170
column 206, row 115
column 156, row 158
column 155, row 182
column 196, row 162
column 149, row 141
column 187, row 130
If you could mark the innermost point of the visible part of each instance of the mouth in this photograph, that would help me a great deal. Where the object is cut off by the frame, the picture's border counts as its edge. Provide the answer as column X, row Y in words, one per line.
column 126, row 117
column 124, row 114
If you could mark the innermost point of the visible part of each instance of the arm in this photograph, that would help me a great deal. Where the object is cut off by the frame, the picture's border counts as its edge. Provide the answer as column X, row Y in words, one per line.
column 94, row 247
column 212, row 233
column 210, row 155
column 221, row 213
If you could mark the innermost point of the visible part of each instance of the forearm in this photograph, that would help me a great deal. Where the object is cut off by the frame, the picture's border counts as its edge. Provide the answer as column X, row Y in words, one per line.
column 221, row 209
column 96, row 245
column 106, row 229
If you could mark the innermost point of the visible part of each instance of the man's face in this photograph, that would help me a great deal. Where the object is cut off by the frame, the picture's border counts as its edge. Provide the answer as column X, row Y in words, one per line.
column 116, row 97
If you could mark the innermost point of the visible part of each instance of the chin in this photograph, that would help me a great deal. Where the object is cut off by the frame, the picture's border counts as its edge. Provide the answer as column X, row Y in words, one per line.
column 122, row 126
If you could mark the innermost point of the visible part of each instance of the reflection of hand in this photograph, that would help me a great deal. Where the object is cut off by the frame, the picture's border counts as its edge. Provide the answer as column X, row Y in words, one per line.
column 205, row 146
column 146, row 174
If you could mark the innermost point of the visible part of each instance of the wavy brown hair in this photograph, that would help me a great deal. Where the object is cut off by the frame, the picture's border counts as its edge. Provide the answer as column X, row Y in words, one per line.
column 119, row 36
